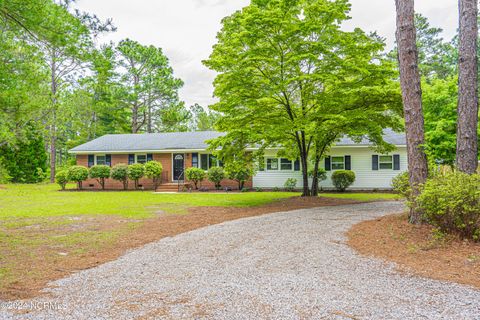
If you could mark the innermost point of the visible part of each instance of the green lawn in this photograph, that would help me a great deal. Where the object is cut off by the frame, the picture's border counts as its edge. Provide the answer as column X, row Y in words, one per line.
column 42, row 228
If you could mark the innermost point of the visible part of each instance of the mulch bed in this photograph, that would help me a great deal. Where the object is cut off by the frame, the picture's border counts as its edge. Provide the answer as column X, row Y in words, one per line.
column 33, row 272
column 415, row 249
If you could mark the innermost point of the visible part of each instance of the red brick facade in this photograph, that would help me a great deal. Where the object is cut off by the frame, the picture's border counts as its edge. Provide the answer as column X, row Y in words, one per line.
column 164, row 158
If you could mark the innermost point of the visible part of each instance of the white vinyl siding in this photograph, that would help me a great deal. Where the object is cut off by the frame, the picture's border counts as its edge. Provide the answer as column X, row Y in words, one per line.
column 361, row 164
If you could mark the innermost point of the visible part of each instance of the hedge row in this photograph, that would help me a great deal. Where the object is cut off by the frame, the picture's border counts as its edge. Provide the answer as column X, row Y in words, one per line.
column 120, row 172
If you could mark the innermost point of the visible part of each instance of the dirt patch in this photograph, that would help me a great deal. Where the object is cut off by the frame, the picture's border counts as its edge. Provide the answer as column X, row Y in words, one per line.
column 418, row 249
column 38, row 255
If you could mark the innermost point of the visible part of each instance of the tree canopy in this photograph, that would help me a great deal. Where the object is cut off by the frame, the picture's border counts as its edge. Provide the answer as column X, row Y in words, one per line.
column 289, row 76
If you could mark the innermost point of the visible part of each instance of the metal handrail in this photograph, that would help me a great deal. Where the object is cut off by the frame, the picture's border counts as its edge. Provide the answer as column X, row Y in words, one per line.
column 178, row 180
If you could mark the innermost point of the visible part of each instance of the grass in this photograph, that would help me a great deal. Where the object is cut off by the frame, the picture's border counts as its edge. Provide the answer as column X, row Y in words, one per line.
column 42, row 228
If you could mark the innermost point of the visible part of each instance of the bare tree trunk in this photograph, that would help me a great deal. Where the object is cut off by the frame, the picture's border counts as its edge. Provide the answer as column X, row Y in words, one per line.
column 53, row 129
column 412, row 99
column 467, row 123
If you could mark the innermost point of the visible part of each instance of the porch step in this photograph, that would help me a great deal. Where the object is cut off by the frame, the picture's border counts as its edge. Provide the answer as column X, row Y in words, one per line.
column 168, row 187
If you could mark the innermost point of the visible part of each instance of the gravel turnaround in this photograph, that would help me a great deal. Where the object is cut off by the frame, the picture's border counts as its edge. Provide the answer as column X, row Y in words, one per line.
column 289, row 265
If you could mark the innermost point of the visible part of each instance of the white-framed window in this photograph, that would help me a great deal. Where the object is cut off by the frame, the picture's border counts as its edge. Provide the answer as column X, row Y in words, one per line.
column 385, row 162
column 141, row 158
column 286, row 165
column 208, row 161
column 100, row 159
column 338, row 163
column 272, row 164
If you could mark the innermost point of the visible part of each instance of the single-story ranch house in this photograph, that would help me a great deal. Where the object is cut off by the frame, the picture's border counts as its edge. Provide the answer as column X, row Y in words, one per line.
column 177, row 151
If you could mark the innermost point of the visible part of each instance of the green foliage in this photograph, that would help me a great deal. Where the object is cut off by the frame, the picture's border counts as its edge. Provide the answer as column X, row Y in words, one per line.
column 216, row 175
column 267, row 57
column 61, row 178
column 342, row 179
column 24, row 159
column 195, row 175
column 153, row 170
column 77, row 174
column 451, row 202
column 120, row 173
column 401, row 184
column 100, row 173
column 4, row 176
column 135, row 172
column 240, row 171
column 290, row 184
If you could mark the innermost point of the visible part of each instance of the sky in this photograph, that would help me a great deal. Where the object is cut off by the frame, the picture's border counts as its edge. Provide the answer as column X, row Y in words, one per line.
column 186, row 29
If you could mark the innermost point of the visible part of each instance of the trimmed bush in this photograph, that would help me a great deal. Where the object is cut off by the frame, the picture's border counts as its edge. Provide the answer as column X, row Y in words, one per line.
column 120, row 173
column 290, row 184
column 136, row 171
column 216, row 175
column 62, row 178
column 238, row 171
column 153, row 170
column 100, row 173
column 401, row 184
column 451, row 202
column 342, row 179
column 195, row 175
column 77, row 174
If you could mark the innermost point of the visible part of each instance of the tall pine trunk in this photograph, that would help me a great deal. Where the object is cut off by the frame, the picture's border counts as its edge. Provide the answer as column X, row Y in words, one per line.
column 412, row 99
column 467, row 123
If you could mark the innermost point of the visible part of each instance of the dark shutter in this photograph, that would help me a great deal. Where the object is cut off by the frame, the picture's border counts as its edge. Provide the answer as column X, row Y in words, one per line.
column 396, row 162
column 374, row 162
column 204, row 161
column 348, row 163
column 328, row 166
column 108, row 160
column 91, row 160
column 131, row 159
column 296, row 165
column 195, row 160
column 149, row 157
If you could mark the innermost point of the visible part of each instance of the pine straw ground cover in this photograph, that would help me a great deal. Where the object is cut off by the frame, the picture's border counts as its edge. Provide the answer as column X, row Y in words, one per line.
column 418, row 249
column 46, row 234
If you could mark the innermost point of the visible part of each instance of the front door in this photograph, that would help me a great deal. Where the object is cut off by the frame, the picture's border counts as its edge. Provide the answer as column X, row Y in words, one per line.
column 178, row 165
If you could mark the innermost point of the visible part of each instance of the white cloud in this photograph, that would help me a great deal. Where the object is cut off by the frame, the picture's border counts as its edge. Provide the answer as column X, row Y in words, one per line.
column 186, row 29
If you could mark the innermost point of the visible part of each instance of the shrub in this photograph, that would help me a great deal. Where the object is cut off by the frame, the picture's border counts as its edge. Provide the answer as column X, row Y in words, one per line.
column 401, row 184
column 62, row 178
column 77, row 174
column 290, row 184
column 342, row 179
column 100, row 173
column 451, row 202
column 239, row 171
column 135, row 172
column 4, row 176
column 216, row 175
column 153, row 170
column 120, row 173
column 195, row 175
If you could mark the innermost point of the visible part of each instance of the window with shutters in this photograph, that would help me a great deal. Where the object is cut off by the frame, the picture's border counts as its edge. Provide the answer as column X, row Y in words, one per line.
column 338, row 163
column 385, row 162
column 100, row 159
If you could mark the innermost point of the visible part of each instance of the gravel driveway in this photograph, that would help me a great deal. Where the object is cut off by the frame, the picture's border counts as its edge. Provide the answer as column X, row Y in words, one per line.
column 290, row 265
